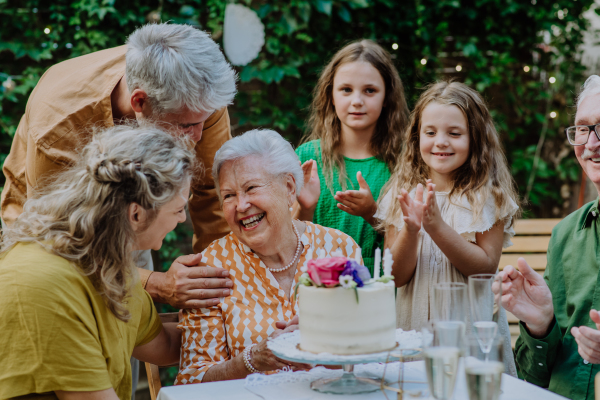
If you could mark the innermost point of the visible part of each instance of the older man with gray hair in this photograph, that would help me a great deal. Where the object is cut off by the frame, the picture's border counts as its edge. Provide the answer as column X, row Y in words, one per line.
column 559, row 345
column 170, row 74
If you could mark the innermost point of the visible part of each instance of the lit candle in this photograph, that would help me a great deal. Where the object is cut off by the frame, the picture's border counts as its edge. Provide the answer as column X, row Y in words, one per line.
column 387, row 262
column 358, row 255
column 377, row 270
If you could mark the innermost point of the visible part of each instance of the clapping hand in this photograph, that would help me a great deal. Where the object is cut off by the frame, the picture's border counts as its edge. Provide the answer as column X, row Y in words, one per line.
column 588, row 339
column 432, row 218
column 412, row 209
column 309, row 195
column 525, row 294
column 358, row 202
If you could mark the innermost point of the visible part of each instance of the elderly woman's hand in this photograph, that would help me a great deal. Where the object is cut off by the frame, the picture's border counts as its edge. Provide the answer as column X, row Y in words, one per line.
column 264, row 360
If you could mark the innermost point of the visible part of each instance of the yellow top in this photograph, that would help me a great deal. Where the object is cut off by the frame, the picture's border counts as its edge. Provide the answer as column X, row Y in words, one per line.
column 58, row 334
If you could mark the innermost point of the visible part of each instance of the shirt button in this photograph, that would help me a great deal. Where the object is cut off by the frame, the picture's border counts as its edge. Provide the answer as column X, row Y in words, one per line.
column 586, row 362
column 541, row 365
column 594, row 213
column 539, row 347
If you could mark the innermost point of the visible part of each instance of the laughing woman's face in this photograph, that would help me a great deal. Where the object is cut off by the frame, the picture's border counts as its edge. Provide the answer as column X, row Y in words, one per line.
column 255, row 203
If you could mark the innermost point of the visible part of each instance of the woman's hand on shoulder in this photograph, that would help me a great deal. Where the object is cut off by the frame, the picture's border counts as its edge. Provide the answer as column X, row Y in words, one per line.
column 432, row 217
column 412, row 209
column 309, row 195
column 358, row 202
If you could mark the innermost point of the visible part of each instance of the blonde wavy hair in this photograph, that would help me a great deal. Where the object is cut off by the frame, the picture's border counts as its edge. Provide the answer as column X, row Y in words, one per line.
column 324, row 124
column 82, row 216
column 485, row 173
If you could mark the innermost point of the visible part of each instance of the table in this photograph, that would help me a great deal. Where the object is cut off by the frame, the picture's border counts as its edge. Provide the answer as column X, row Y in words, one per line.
column 512, row 389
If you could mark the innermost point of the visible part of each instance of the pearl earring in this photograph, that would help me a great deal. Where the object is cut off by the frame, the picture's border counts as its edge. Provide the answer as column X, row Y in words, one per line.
column 291, row 209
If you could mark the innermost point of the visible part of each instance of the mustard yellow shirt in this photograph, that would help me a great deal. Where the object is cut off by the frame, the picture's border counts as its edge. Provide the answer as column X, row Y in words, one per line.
column 56, row 331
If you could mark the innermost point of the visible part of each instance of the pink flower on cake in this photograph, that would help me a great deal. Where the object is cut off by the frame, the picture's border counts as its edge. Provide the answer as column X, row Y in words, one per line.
column 326, row 271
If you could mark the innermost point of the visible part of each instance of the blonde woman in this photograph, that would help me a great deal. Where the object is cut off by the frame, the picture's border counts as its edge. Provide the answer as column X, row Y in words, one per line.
column 72, row 308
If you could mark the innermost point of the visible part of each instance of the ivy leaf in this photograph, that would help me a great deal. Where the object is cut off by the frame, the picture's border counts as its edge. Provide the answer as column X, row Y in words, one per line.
column 344, row 14
column 324, row 6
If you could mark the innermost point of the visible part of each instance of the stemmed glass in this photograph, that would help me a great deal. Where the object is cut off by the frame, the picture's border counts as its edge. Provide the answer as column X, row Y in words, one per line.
column 441, row 351
column 484, row 369
column 484, row 309
column 443, row 337
column 449, row 303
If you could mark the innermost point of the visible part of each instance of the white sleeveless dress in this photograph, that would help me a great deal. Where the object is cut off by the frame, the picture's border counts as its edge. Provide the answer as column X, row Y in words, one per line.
column 413, row 299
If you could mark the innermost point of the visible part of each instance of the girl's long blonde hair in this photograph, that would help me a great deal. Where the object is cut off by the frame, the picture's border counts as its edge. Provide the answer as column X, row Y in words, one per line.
column 82, row 216
column 325, row 125
column 485, row 173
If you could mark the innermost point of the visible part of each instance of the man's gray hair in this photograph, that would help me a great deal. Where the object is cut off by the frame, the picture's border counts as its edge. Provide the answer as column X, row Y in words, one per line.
column 590, row 87
column 277, row 154
column 178, row 66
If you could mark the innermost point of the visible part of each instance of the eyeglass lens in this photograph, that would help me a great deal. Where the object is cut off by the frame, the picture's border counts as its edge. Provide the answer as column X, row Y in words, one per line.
column 580, row 134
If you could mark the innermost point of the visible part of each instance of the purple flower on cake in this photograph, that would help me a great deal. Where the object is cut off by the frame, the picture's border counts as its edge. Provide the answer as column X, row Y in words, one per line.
column 326, row 271
column 359, row 273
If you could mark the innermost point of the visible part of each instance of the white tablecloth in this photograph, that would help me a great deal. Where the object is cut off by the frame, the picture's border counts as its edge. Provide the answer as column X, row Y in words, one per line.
column 512, row 389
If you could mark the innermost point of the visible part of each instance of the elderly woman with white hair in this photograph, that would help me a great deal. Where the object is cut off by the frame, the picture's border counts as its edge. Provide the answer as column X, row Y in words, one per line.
column 258, row 176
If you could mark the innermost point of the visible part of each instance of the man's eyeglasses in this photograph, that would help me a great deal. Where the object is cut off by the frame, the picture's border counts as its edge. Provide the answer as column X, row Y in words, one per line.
column 578, row 135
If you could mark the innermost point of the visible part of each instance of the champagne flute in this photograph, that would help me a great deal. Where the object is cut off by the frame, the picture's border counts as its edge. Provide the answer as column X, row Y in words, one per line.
column 449, row 303
column 484, row 369
column 484, row 309
column 441, row 350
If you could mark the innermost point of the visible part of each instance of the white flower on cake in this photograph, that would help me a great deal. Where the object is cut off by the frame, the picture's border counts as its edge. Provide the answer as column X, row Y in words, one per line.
column 347, row 282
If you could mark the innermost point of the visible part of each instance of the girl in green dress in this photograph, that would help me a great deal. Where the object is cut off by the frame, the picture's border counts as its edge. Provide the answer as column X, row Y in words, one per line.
column 357, row 117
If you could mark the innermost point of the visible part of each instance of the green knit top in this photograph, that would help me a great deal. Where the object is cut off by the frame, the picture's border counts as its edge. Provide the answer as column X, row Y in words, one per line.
column 376, row 174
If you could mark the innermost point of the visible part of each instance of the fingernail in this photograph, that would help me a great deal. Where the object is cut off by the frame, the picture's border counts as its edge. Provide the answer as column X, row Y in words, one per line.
column 225, row 273
column 226, row 292
column 229, row 284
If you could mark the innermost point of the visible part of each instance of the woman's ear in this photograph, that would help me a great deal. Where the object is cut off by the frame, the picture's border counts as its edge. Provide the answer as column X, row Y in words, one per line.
column 290, row 185
column 137, row 217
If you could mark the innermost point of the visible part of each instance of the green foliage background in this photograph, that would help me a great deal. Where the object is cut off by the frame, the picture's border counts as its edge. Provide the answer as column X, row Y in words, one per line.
column 492, row 40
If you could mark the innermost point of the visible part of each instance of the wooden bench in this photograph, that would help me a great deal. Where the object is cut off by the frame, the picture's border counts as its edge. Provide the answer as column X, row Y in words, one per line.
column 530, row 242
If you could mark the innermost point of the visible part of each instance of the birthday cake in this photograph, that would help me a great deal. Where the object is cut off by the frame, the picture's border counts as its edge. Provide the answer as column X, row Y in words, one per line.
column 343, row 311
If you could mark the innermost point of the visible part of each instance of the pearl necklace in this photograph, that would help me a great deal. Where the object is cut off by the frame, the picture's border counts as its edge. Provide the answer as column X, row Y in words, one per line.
column 295, row 255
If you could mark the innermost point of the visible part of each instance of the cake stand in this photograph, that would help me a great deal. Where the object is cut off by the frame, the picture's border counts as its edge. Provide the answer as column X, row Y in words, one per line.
column 287, row 347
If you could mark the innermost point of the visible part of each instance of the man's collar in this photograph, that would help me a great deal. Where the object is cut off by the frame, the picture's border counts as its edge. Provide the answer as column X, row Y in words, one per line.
column 591, row 215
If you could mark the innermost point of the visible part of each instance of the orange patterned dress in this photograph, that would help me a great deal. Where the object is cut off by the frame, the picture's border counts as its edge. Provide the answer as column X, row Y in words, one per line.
column 213, row 335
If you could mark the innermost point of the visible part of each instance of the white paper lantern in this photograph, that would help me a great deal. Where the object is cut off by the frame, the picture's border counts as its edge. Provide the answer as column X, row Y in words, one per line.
column 243, row 34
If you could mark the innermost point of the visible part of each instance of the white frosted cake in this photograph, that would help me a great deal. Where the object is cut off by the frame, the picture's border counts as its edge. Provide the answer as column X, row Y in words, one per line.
column 332, row 321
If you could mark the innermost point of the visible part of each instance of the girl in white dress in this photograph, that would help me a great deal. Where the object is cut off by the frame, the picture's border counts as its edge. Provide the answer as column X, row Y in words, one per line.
column 451, row 203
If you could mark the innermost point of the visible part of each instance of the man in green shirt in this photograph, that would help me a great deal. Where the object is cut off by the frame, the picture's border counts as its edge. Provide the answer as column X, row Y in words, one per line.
column 559, row 345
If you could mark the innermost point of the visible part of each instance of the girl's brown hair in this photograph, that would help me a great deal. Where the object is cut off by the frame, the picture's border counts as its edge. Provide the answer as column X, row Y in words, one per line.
column 485, row 173
column 325, row 125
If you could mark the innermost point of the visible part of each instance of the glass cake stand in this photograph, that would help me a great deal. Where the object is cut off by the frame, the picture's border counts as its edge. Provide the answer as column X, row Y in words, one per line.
column 287, row 347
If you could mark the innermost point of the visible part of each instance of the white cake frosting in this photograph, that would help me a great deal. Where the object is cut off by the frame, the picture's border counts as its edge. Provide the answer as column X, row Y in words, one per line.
column 332, row 321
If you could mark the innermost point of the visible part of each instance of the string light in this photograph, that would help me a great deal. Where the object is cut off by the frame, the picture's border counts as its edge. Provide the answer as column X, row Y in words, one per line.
column 9, row 85
column 47, row 30
column 423, row 61
column 526, row 68
column 552, row 79
column 553, row 114
column 459, row 67
column 395, row 46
